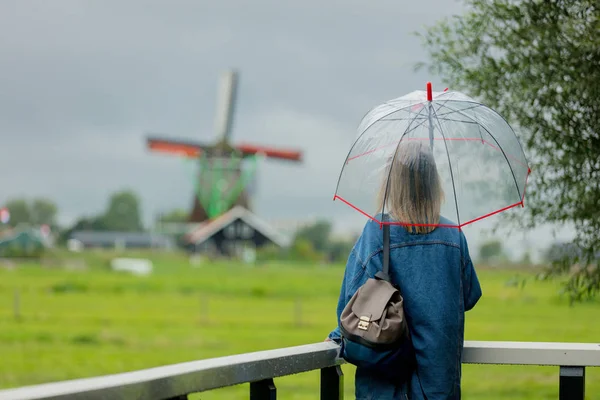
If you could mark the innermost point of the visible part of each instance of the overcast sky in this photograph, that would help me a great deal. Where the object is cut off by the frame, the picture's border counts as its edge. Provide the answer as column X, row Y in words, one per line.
column 82, row 82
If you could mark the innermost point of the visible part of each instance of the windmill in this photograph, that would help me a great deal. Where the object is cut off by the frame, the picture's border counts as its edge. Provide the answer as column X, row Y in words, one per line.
column 224, row 170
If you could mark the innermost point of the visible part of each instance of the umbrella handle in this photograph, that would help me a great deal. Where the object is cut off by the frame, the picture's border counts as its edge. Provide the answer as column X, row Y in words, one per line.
column 429, row 92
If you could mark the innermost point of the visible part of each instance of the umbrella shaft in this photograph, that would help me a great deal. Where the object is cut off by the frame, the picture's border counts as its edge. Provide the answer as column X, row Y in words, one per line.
column 430, row 126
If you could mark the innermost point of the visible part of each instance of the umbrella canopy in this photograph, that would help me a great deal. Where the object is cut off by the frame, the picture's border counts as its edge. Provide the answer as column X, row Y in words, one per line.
column 429, row 151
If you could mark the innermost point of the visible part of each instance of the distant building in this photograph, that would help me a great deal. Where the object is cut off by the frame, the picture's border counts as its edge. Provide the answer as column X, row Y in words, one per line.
column 21, row 243
column 234, row 233
column 129, row 240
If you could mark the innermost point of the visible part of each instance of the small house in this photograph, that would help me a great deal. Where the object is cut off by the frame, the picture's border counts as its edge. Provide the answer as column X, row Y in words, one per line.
column 233, row 234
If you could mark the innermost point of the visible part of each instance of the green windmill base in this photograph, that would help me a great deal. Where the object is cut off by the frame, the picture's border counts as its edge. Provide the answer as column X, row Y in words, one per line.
column 220, row 183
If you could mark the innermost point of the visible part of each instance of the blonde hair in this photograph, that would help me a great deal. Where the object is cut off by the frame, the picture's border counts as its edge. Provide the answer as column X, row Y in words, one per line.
column 411, row 191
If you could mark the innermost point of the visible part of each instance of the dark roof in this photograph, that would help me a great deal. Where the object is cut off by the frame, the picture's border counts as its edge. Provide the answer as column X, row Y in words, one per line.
column 206, row 230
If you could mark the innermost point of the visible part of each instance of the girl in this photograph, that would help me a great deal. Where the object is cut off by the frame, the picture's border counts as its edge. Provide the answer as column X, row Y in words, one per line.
column 431, row 266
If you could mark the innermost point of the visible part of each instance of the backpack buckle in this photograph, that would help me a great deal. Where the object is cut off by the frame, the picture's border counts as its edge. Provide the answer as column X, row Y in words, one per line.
column 364, row 323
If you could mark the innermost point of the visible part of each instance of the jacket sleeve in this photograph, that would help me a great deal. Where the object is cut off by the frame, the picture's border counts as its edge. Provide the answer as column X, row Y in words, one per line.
column 471, row 286
column 345, row 294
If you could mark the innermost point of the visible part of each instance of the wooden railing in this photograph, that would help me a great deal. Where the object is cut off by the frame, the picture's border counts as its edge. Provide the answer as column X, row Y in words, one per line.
column 259, row 370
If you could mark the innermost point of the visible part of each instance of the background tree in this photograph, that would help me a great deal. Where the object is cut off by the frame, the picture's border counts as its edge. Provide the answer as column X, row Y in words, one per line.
column 19, row 210
column 303, row 250
column 176, row 216
column 39, row 211
column 315, row 241
column 537, row 64
column 43, row 211
column 83, row 224
column 490, row 251
column 123, row 213
column 316, row 234
column 339, row 250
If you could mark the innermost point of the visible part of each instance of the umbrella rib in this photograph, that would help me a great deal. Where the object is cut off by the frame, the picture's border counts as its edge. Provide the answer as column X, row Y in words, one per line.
column 453, row 110
column 499, row 147
column 425, row 119
column 450, row 166
column 479, row 129
column 402, row 119
column 457, row 120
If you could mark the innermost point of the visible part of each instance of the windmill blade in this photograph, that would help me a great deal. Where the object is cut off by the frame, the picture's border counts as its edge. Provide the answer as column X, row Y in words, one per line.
column 179, row 147
column 226, row 99
column 270, row 152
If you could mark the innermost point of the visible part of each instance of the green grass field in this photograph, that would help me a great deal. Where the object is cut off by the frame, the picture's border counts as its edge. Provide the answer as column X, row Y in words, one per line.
column 83, row 323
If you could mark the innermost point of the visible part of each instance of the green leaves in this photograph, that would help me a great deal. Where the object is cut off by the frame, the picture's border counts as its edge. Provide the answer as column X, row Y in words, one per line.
column 123, row 213
column 38, row 211
column 538, row 64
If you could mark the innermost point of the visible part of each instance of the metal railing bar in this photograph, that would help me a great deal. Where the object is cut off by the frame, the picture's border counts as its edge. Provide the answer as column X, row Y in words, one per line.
column 532, row 353
column 171, row 381
column 191, row 377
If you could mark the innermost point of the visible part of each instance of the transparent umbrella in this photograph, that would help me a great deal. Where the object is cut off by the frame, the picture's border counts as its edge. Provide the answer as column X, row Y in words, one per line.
column 481, row 167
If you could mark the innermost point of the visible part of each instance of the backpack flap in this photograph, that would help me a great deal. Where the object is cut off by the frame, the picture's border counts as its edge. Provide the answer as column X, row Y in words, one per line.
column 374, row 316
column 372, row 299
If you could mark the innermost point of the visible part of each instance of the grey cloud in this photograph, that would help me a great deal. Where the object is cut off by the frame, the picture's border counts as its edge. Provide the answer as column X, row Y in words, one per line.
column 83, row 81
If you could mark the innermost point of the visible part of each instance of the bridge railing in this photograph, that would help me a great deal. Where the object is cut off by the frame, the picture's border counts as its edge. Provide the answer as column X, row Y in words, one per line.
column 260, row 368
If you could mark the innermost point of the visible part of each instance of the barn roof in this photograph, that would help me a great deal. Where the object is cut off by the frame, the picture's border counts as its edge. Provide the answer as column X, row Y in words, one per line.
column 207, row 229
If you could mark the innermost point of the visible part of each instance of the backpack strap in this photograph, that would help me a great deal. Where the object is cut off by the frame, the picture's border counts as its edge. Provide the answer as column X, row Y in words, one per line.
column 386, row 250
column 385, row 273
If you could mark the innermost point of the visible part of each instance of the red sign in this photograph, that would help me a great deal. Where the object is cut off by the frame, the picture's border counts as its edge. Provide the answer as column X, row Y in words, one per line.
column 4, row 215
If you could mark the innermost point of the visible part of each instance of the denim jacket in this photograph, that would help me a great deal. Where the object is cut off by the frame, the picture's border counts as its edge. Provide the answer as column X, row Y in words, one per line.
column 438, row 282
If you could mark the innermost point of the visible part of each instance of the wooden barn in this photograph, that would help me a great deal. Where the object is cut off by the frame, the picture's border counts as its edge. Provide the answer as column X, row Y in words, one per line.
column 233, row 234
